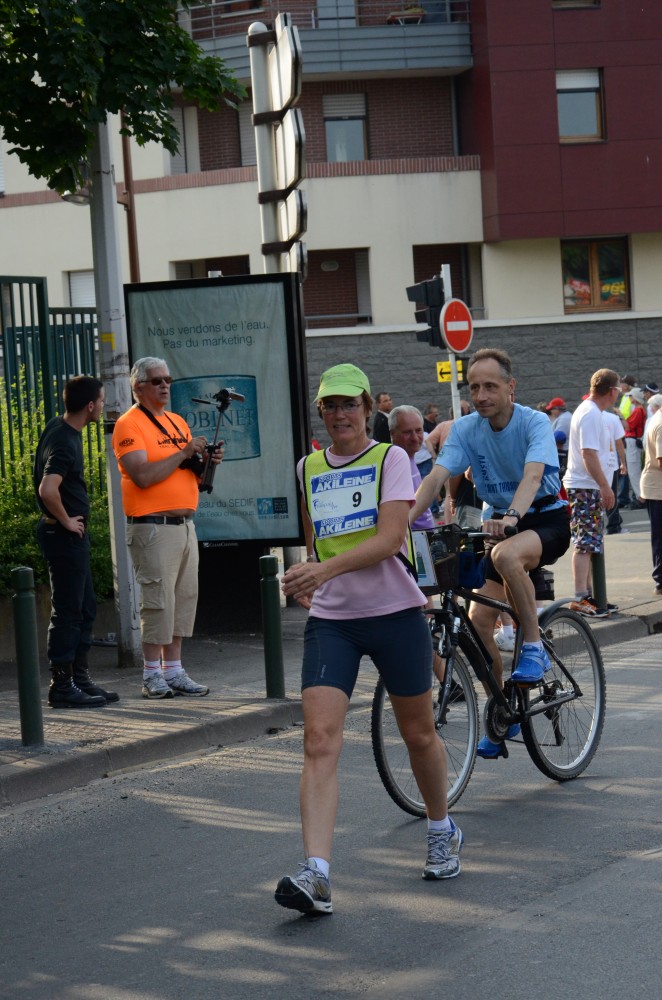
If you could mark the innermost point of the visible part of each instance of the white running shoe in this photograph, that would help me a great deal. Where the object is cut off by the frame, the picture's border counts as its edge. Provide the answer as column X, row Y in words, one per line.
column 156, row 687
column 182, row 684
column 308, row 891
column 506, row 643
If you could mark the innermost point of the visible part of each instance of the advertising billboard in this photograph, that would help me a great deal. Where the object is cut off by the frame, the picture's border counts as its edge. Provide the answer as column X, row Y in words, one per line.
column 242, row 334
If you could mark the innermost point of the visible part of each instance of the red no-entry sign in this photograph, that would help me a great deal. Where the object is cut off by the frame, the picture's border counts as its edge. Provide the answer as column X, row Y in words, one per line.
column 456, row 325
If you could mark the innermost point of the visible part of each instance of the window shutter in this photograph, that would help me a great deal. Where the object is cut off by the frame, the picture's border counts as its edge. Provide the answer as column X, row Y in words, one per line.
column 247, row 135
column 178, row 161
column 81, row 289
column 578, row 79
column 183, row 270
column 344, row 105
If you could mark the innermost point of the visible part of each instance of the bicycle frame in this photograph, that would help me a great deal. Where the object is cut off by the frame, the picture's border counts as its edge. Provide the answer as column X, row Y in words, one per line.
column 504, row 698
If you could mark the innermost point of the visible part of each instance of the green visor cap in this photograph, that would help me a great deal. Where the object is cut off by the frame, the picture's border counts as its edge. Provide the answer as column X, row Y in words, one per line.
column 343, row 380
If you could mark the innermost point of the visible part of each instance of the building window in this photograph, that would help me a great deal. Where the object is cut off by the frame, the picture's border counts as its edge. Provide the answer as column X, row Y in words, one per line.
column 82, row 293
column 595, row 275
column 579, row 101
column 345, row 127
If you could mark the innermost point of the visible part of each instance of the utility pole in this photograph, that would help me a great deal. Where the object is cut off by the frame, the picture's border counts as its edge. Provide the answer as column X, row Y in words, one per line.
column 114, row 366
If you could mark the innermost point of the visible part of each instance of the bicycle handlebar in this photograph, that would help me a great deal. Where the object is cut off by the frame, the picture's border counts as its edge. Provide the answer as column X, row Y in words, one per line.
column 511, row 529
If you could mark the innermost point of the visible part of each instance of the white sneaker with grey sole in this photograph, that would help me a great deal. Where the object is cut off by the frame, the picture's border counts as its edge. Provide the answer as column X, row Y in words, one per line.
column 156, row 687
column 182, row 684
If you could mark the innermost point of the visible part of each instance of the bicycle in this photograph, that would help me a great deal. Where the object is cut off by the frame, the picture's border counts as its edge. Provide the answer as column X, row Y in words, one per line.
column 561, row 717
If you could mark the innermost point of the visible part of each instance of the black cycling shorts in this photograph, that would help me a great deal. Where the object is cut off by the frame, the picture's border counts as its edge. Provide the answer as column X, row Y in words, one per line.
column 553, row 529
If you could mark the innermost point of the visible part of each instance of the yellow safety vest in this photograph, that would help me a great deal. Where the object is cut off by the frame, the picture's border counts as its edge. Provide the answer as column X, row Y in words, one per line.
column 343, row 502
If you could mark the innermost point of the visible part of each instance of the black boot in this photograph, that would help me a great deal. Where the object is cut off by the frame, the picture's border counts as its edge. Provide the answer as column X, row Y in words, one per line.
column 63, row 693
column 84, row 682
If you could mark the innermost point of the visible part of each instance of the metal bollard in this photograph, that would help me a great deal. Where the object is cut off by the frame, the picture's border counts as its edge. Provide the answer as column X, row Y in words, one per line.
column 27, row 656
column 272, row 627
column 599, row 579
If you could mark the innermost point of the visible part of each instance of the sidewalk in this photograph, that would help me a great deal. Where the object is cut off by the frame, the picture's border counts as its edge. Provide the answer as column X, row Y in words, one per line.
column 83, row 745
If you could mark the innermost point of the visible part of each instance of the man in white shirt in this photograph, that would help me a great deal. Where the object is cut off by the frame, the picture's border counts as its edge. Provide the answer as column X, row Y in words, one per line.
column 589, row 490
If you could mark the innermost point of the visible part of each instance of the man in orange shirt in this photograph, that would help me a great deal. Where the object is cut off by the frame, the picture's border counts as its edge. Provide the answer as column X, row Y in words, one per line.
column 160, row 464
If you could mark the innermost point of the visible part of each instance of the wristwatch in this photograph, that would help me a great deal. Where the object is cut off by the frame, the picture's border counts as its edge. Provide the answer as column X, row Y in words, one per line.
column 511, row 512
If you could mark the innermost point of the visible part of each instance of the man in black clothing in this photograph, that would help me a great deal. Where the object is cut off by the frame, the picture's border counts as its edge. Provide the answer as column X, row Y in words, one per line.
column 62, row 535
column 380, row 431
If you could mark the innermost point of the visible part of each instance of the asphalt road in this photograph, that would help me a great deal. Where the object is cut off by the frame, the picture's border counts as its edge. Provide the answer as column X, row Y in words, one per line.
column 157, row 884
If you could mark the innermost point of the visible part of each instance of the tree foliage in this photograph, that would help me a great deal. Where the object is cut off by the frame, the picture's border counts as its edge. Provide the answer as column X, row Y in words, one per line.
column 66, row 64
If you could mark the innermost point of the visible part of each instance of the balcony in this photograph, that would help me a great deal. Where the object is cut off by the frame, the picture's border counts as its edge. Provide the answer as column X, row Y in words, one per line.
column 344, row 37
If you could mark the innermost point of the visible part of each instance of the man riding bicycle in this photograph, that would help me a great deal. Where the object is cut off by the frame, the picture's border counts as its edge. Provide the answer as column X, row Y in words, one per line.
column 515, row 467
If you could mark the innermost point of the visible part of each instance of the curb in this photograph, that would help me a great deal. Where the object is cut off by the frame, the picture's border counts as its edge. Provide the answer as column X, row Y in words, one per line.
column 36, row 777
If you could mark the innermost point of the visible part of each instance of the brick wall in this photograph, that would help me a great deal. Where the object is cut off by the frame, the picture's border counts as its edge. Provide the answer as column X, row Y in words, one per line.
column 406, row 119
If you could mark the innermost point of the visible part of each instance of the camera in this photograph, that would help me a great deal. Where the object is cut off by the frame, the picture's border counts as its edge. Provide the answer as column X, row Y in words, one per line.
column 195, row 463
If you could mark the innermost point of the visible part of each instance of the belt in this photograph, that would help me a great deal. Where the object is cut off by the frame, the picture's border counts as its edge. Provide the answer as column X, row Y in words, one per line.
column 159, row 519
column 53, row 520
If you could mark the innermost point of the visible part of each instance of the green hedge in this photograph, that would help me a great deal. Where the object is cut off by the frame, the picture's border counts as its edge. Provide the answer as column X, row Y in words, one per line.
column 19, row 435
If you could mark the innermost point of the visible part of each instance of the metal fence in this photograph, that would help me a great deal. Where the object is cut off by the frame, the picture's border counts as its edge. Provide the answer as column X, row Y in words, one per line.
column 40, row 348
column 231, row 17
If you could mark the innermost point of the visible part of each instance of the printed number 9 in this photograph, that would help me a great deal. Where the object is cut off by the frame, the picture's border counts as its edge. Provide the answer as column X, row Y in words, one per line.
column 356, row 499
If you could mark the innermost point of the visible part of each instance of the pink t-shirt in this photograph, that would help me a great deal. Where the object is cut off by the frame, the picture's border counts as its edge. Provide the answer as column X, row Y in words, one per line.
column 387, row 586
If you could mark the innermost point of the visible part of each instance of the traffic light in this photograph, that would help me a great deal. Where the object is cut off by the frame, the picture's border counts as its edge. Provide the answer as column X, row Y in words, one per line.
column 462, row 363
column 429, row 296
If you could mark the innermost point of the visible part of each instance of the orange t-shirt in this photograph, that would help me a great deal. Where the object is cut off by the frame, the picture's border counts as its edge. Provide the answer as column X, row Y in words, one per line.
column 134, row 431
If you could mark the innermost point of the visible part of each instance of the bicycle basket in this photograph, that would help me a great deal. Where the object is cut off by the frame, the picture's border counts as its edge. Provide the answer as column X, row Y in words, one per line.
column 458, row 562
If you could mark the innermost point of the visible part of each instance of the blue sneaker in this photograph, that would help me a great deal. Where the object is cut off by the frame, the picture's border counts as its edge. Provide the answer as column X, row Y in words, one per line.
column 490, row 751
column 531, row 666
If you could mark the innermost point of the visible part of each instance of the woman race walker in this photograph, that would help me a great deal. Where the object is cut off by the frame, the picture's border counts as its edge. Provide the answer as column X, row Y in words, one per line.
column 360, row 587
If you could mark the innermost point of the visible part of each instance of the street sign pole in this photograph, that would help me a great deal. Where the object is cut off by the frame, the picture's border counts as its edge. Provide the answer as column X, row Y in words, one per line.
column 266, row 158
column 114, row 367
column 455, row 389
column 276, row 77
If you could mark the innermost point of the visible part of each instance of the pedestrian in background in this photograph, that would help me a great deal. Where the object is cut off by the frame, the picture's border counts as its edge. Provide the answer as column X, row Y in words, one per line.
column 359, row 585
column 651, row 485
column 589, row 489
column 65, row 544
column 650, row 389
column 160, row 465
column 380, row 431
column 626, row 384
column 559, row 415
column 634, row 425
column 614, row 462
column 430, row 417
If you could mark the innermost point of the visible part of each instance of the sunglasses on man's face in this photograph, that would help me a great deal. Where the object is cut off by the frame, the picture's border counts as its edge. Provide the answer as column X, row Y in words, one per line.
column 157, row 381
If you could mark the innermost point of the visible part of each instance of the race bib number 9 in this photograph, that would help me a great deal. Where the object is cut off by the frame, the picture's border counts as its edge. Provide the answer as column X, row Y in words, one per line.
column 344, row 500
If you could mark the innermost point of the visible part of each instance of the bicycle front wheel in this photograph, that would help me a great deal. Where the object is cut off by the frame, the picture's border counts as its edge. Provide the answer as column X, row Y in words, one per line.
column 457, row 730
column 563, row 738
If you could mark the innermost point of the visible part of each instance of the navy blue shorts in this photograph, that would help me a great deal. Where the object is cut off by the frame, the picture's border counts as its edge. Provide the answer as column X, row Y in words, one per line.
column 399, row 645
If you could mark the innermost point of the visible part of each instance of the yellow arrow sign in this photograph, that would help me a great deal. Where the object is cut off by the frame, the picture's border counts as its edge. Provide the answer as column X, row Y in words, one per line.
column 444, row 370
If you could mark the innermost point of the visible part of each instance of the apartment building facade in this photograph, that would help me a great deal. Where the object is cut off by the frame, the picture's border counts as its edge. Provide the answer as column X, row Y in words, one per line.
column 518, row 140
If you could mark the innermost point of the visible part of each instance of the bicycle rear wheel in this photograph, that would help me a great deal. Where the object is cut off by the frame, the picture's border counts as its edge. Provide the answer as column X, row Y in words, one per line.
column 563, row 739
column 457, row 731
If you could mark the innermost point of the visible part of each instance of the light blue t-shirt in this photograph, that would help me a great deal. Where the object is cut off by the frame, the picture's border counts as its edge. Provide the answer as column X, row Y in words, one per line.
column 497, row 458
